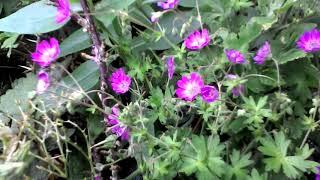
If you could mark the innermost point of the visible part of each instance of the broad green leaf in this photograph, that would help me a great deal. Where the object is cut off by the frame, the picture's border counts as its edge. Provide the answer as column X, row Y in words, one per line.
column 107, row 10
column 172, row 24
column 36, row 18
column 188, row 3
column 77, row 41
column 16, row 99
column 290, row 55
column 86, row 75
column 96, row 126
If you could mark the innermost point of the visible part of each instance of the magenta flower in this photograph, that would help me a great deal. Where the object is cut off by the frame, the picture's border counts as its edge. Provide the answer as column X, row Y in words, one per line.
column 120, row 82
column 235, row 56
column 116, row 127
column 236, row 91
column 168, row 4
column 239, row 89
column 43, row 82
column 318, row 174
column 263, row 52
column 197, row 40
column 155, row 16
column 46, row 52
column 189, row 87
column 171, row 67
column 209, row 93
column 309, row 41
column 63, row 12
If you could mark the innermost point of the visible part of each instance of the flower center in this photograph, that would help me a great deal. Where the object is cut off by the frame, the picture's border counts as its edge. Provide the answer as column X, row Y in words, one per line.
column 192, row 89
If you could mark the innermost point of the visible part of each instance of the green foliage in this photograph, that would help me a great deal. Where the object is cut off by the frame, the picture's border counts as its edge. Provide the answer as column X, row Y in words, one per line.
column 262, row 134
column 238, row 164
column 38, row 17
column 15, row 101
column 203, row 157
column 76, row 42
column 276, row 151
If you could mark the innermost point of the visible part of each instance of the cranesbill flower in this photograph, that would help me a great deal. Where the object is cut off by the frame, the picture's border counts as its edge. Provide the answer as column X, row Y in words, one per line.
column 309, row 41
column 120, row 82
column 46, row 52
column 197, row 40
column 263, row 52
column 168, row 4
column 209, row 93
column 117, row 127
column 235, row 56
column 155, row 16
column 318, row 174
column 43, row 82
column 237, row 90
column 63, row 12
column 189, row 86
column 170, row 66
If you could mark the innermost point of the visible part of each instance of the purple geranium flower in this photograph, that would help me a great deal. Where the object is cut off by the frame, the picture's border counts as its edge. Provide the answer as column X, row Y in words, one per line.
column 170, row 66
column 43, row 82
column 120, row 82
column 46, row 52
column 318, row 174
column 117, row 128
column 235, row 56
column 197, row 40
column 63, row 12
column 309, row 41
column 209, row 93
column 155, row 16
column 263, row 53
column 236, row 91
column 168, row 4
column 189, row 87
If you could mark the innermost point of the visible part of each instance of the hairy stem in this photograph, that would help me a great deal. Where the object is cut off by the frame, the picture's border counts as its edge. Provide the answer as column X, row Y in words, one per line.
column 99, row 57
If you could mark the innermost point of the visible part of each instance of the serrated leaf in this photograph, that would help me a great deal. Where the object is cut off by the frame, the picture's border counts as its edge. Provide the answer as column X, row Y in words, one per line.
column 203, row 157
column 247, row 34
column 276, row 149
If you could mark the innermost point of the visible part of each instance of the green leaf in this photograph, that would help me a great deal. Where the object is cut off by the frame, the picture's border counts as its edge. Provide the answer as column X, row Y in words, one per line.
column 238, row 164
column 36, row 18
column 77, row 41
column 290, row 55
column 96, row 126
column 256, row 176
column 247, row 34
column 202, row 156
column 107, row 10
column 16, row 99
column 86, row 75
column 147, row 39
column 276, row 149
column 188, row 3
